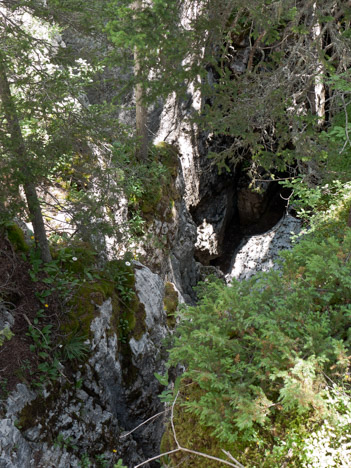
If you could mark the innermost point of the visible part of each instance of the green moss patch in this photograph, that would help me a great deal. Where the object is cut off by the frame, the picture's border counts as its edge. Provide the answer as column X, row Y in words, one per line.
column 129, row 321
column 84, row 306
column 37, row 411
column 170, row 302
column 117, row 282
column 140, row 324
column 31, row 413
column 16, row 236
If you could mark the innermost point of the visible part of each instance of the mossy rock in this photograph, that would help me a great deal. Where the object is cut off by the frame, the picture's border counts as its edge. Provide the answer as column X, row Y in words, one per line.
column 84, row 306
column 31, row 413
column 170, row 302
column 131, row 320
column 140, row 324
column 16, row 236
column 36, row 411
column 168, row 155
column 133, row 316
column 117, row 283
column 151, row 199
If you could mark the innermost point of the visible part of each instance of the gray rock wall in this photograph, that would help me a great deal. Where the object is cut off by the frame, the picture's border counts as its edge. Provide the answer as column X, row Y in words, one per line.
column 259, row 253
column 88, row 412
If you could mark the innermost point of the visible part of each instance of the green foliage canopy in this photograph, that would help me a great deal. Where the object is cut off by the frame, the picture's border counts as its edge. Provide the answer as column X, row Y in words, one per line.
column 264, row 353
column 257, row 67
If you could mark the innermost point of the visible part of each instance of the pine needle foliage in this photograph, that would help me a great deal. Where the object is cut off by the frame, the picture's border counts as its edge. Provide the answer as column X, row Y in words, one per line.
column 263, row 353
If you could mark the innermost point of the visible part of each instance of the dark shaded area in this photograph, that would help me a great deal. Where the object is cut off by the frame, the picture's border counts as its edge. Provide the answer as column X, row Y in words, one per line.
column 241, row 226
column 18, row 296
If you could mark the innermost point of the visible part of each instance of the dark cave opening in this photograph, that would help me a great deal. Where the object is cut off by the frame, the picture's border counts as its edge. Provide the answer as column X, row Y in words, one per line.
column 246, row 224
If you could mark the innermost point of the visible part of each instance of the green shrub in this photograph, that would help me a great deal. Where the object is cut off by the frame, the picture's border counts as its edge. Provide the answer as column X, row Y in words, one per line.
column 77, row 258
column 151, row 187
column 260, row 355
column 83, row 306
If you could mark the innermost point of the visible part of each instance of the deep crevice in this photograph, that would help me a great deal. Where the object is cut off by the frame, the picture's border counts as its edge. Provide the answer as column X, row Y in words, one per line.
column 238, row 228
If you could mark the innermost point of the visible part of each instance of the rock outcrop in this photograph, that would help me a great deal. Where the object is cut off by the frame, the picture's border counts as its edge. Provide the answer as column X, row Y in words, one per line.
column 259, row 253
column 86, row 415
column 168, row 248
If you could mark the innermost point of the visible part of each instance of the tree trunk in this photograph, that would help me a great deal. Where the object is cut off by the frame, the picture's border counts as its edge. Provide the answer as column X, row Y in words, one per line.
column 141, row 111
column 318, row 105
column 20, row 153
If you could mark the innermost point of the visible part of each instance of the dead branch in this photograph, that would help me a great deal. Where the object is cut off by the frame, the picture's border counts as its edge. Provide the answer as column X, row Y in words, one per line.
column 145, row 422
column 253, row 50
column 179, row 448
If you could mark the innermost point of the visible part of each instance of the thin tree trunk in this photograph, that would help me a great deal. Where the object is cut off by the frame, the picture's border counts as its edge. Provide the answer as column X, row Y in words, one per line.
column 141, row 111
column 20, row 153
column 319, row 88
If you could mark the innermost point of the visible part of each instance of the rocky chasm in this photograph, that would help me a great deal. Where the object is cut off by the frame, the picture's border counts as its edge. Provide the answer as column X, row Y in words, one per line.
column 216, row 224
column 114, row 390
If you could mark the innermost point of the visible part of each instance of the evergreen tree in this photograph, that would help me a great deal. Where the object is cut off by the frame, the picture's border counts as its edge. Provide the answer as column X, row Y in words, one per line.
column 54, row 137
column 262, row 68
column 140, row 106
column 22, row 158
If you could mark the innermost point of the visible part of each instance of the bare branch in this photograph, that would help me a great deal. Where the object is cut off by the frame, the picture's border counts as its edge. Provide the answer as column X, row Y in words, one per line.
column 184, row 449
column 157, row 457
column 145, row 422
column 229, row 455
column 253, row 50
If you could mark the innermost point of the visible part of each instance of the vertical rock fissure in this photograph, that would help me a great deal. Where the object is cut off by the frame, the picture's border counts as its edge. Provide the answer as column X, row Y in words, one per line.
column 256, row 216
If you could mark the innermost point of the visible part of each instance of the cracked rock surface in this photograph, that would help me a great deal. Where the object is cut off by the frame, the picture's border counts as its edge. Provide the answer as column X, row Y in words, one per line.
column 85, row 414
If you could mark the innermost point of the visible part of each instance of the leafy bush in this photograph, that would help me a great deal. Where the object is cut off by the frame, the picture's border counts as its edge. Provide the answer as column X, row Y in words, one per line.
column 326, row 204
column 261, row 354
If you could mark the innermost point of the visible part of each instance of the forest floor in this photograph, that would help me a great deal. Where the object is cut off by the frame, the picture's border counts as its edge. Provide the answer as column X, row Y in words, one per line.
column 18, row 295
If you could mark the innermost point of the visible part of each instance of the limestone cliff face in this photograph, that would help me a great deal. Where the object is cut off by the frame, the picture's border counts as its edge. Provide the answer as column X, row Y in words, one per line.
column 88, row 413
column 168, row 248
column 260, row 252
column 209, row 196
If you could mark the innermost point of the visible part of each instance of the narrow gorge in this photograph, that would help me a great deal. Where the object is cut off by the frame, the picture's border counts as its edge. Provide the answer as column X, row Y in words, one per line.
column 175, row 242
column 223, row 228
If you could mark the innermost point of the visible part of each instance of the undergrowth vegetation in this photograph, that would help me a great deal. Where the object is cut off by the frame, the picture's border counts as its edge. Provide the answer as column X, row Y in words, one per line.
column 66, row 294
column 268, row 359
